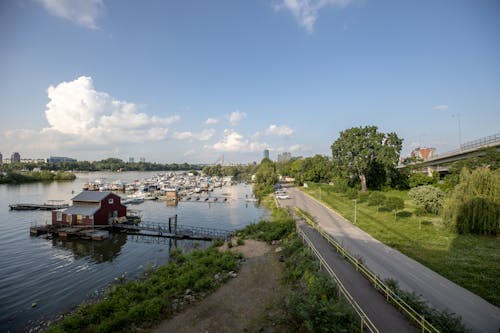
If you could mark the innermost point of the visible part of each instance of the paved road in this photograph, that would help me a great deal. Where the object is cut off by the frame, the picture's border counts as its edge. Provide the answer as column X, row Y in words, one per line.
column 383, row 315
column 441, row 293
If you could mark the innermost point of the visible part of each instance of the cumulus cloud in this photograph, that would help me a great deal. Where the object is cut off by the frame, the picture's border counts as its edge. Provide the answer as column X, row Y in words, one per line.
column 80, row 12
column 78, row 110
column 306, row 12
column 279, row 130
column 211, row 121
column 204, row 135
column 236, row 116
column 235, row 142
column 442, row 107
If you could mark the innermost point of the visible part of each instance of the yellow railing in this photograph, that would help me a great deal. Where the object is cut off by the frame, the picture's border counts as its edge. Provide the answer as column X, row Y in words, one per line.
column 364, row 320
column 375, row 280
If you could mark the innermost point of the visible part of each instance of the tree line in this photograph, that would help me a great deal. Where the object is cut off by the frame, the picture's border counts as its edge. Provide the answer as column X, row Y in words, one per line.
column 109, row 164
column 364, row 159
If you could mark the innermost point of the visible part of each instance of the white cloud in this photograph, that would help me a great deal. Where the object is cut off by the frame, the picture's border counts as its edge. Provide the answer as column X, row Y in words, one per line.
column 79, row 111
column 235, row 142
column 80, row 12
column 211, row 121
column 279, row 130
column 297, row 147
column 236, row 116
column 442, row 107
column 204, row 135
column 306, row 12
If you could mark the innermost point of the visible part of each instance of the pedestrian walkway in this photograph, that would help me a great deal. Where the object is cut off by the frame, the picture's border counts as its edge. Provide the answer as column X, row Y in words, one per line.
column 382, row 314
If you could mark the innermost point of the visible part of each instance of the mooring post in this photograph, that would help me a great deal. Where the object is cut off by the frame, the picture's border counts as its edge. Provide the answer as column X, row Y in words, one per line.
column 169, row 225
column 175, row 223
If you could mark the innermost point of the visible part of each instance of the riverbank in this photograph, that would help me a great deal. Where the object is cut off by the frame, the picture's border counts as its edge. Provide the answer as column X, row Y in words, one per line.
column 15, row 177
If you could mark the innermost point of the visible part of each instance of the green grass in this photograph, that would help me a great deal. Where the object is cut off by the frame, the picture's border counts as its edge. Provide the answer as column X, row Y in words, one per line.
column 468, row 260
column 137, row 304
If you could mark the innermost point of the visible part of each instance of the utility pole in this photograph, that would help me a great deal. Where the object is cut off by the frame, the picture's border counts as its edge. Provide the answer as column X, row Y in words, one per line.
column 459, row 130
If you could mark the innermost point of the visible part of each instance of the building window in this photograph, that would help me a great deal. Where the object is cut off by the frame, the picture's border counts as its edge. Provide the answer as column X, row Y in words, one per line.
column 110, row 201
column 59, row 216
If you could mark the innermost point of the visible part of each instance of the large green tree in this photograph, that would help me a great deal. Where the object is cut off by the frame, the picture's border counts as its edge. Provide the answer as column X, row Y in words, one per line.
column 359, row 150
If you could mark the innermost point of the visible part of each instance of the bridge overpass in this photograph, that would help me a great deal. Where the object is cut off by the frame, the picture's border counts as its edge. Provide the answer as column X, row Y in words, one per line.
column 469, row 149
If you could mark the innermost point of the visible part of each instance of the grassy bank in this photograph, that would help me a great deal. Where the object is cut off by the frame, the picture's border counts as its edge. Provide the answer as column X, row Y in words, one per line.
column 468, row 260
column 311, row 303
column 14, row 177
column 138, row 304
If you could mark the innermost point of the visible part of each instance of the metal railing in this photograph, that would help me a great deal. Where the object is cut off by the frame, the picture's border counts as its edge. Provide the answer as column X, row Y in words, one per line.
column 380, row 285
column 364, row 320
column 482, row 142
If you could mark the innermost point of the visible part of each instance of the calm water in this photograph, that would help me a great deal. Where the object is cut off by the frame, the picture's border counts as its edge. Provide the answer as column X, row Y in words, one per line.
column 59, row 274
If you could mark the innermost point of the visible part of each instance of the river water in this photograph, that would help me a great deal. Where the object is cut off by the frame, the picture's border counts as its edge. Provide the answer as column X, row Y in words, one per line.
column 40, row 277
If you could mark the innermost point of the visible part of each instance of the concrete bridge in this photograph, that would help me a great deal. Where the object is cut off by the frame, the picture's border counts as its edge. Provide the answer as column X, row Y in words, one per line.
column 469, row 149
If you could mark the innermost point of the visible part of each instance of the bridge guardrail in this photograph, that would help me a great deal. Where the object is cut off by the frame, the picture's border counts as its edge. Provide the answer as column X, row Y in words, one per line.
column 380, row 285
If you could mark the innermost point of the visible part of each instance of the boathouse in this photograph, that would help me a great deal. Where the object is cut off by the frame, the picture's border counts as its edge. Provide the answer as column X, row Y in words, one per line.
column 91, row 208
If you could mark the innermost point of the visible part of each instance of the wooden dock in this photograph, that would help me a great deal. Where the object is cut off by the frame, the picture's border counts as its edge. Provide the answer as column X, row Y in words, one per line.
column 49, row 205
column 170, row 230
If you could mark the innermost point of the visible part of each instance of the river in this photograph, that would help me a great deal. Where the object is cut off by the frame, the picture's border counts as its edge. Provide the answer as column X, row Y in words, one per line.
column 40, row 277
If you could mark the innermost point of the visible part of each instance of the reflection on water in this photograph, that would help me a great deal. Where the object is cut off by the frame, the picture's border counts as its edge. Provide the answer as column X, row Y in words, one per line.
column 58, row 274
column 96, row 251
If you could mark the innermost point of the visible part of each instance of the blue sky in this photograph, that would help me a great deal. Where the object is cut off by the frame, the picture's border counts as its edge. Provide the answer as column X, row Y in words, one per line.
column 176, row 81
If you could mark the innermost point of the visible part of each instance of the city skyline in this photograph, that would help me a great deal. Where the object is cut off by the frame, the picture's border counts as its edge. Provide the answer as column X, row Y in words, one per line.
column 190, row 82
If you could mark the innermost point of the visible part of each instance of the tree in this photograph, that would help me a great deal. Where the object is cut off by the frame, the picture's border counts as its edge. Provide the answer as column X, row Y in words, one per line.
column 265, row 178
column 474, row 206
column 359, row 149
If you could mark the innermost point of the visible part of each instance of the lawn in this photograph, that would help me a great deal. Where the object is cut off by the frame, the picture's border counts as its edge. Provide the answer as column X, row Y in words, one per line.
column 468, row 260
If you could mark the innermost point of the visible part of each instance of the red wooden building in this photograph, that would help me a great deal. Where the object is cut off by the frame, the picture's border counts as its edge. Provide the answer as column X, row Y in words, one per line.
column 91, row 208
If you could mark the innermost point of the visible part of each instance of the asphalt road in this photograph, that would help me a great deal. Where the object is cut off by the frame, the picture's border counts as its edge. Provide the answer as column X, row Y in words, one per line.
column 441, row 293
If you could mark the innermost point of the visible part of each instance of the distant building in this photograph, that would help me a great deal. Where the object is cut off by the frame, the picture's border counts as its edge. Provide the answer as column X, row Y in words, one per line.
column 33, row 160
column 423, row 153
column 284, row 157
column 142, row 159
column 131, row 160
column 266, row 153
column 1, row 158
column 15, row 158
column 60, row 159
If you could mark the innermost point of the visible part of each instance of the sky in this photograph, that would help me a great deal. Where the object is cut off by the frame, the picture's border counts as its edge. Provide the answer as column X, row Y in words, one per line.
column 195, row 81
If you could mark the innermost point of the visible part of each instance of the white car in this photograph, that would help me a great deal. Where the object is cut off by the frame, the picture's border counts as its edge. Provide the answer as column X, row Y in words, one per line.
column 282, row 196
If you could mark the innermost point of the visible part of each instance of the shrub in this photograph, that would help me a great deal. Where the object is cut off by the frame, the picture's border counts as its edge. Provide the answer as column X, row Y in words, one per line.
column 394, row 203
column 363, row 196
column 376, row 199
column 428, row 197
column 419, row 179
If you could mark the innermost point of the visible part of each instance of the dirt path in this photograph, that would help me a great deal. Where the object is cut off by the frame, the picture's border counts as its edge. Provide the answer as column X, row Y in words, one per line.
column 238, row 304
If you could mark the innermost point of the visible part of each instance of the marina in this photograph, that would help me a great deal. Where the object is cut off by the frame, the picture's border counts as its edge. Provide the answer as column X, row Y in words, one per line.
column 58, row 273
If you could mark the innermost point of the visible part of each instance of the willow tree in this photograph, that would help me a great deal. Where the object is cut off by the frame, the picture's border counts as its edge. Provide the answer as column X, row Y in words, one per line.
column 359, row 150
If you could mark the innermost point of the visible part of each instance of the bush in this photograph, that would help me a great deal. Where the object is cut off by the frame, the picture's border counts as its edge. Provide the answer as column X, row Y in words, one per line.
column 474, row 206
column 428, row 197
column 419, row 179
column 363, row 196
column 376, row 199
column 394, row 203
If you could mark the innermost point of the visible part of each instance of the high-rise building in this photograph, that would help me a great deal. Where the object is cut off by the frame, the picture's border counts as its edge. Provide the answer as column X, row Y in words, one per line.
column 142, row 159
column 131, row 160
column 284, row 157
column 266, row 153
column 15, row 158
